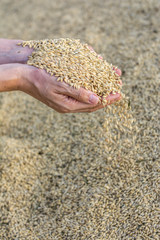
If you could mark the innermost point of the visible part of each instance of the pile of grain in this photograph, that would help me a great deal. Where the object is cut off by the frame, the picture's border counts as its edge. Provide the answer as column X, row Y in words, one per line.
column 59, row 179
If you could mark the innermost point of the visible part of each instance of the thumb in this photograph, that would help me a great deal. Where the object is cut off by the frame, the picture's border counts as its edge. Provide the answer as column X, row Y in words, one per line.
column 83, row 95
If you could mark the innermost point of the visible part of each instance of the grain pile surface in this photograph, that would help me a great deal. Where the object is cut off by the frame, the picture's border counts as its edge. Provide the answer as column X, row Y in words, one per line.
column 59, row 178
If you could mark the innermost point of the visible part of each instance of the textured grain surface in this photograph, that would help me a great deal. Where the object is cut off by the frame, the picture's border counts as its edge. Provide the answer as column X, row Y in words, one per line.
column 59, row 178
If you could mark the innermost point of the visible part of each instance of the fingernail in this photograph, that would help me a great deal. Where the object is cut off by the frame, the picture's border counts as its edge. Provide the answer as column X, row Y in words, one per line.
column 93, row 99
column 116, row 95
column 100, row 56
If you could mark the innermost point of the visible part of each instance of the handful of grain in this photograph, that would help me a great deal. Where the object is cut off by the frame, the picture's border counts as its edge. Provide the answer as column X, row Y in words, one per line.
column 76, row 64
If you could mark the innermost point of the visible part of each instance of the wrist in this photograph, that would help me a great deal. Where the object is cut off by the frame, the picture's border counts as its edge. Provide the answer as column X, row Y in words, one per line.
column 10, row 77
column 29, row 76
column 10, row 52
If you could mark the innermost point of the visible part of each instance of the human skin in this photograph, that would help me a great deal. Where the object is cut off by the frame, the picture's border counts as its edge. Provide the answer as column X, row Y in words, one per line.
column 15, row 74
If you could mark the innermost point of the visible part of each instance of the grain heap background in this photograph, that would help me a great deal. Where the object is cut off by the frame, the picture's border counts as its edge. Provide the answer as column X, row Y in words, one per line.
column 59, row 179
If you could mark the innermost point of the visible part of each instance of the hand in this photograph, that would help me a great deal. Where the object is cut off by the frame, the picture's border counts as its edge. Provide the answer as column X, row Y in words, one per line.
column 59, row 95
column 10, row 52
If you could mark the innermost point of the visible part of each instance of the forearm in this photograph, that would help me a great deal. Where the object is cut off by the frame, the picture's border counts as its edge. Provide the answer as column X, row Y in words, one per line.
column 10, row 52
column 9, row 77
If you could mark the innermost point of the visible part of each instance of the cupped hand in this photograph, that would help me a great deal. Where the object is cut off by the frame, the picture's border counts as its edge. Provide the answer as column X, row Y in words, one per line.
column 59, row 95
column 16, row 74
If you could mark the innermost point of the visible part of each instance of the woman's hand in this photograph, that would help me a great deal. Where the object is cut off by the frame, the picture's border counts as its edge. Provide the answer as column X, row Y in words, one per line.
column 59, row 95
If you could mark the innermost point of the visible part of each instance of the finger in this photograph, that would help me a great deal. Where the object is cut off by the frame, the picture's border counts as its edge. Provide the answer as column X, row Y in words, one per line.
column 113, row 97
column 81, row 94
column 110, row 100
column 65, row 104
column 84, row 96
column 120, row 82
column 118, row 71
column 100, row 106
column 91, row 48
column 74, row 106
